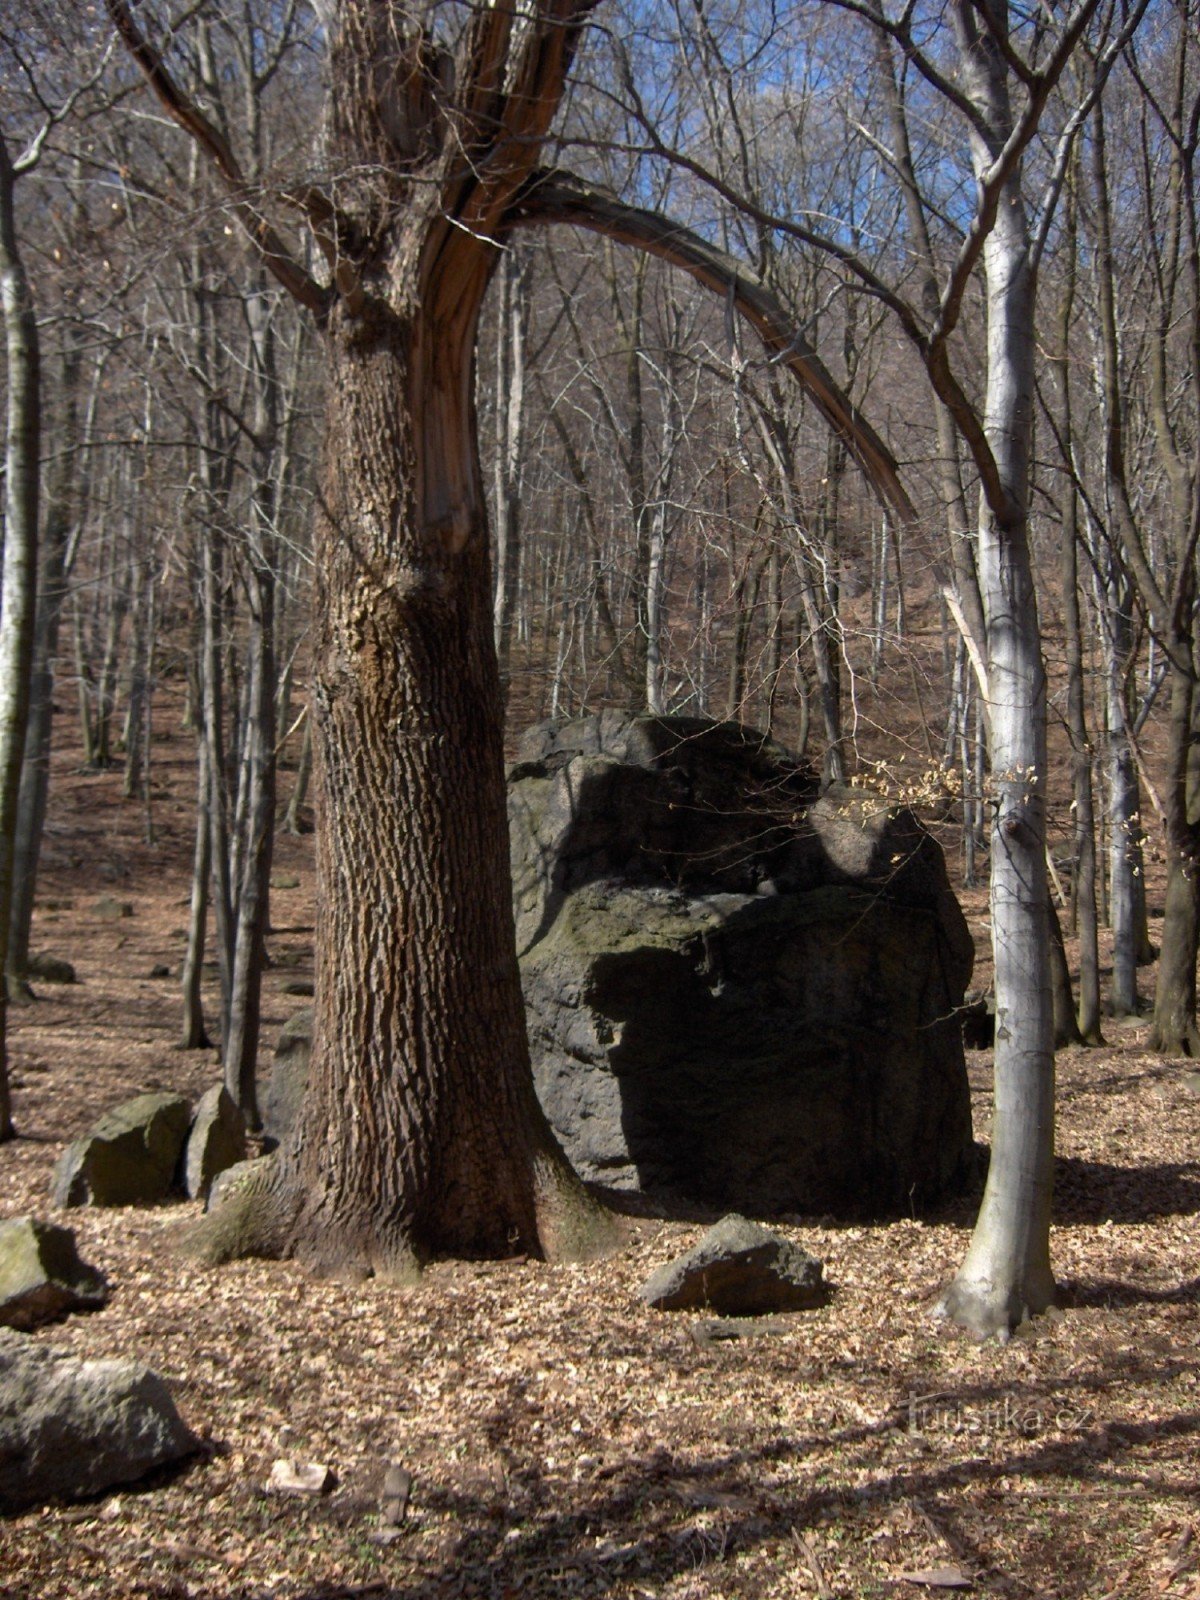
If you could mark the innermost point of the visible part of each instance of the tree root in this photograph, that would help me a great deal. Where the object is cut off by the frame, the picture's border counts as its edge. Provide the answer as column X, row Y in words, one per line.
column 993, row 1310
column 572, row 1224
column 259, row 1214
column 250, row 1218
column 1175, row 1044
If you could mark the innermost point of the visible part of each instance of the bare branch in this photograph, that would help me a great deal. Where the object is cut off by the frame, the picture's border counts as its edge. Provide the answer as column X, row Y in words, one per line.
column 270, row 247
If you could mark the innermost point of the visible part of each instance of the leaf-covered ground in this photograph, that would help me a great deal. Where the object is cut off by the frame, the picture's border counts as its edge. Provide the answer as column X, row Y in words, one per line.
column 564, row 1440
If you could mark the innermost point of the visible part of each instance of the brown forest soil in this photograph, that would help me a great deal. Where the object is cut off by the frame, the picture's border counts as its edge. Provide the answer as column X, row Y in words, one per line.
column 564, row 1439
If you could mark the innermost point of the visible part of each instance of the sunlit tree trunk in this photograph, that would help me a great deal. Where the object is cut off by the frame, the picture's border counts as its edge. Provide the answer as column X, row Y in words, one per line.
column 19, row 577
column 1006, row 1275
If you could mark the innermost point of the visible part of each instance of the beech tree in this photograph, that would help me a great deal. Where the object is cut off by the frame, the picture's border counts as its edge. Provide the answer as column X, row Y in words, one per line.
column 420, row 1133
column 994, row 71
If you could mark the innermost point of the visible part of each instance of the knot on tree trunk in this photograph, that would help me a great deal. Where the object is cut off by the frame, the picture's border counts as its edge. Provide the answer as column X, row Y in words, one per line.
column 1014, row 824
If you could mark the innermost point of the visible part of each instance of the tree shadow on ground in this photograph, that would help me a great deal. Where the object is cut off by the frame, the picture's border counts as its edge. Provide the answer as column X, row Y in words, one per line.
column 1110, row 1294
column 1094, row 1191
column 649, row 1519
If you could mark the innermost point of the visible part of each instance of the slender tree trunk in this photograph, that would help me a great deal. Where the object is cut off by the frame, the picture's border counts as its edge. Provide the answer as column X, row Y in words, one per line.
column 1124, row 811
column 1083, row 882
column 18, row 583
column 774, row 630
column 84, row 687
column 1006, row 1275
column 117, row 603
column 64, row 503
column 195, row 1036
column 253, row 862
column 291, row 822
column 1066, row 1023
column 138, row 704
column 1174, row 1032
column 250, row 870
column 509, row 441
column 218, row 801
column 1083, row 890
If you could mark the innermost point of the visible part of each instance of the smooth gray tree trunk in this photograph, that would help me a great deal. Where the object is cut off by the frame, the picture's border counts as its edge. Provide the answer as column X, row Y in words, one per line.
column 1006, row 1275
column 19, row 578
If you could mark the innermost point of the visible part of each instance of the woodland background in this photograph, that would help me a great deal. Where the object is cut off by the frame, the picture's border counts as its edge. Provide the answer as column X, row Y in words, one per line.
column 675, row 529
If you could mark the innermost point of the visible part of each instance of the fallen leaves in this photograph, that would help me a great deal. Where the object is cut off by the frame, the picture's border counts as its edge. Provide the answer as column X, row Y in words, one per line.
column 556, row 1438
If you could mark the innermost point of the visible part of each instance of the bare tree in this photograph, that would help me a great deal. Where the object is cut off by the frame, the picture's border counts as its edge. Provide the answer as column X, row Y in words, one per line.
column 404, row 1147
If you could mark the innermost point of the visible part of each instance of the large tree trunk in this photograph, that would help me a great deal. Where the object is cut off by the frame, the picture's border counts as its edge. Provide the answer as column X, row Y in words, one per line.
column 419, row 1031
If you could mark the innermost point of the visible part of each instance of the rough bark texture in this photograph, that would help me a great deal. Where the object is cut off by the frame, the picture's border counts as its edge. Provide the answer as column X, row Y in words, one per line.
column 420, row 1134
column 1174, row 1032
column 419, row 1036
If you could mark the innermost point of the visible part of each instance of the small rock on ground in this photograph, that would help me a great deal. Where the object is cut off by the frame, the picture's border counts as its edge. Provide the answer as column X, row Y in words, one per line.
column 738, row 1269
column 71, row 1428
column 41, row 1275
column 50, row 969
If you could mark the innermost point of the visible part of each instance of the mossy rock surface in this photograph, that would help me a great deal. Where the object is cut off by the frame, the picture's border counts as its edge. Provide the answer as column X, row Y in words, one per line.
column 70, row 1428
column 217, row 1141
column 130, row 1157
column 41, row 1275
column 289, row 1077
column 740, row 993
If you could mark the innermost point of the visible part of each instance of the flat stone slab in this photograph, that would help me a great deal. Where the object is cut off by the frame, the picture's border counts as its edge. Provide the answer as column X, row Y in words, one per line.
column 130, row 1157
column 738, row 1269
column 41, row 1275
column 71, row 1428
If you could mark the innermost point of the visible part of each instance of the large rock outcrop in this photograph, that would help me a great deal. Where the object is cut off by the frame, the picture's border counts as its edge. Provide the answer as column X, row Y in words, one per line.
column 740, row 992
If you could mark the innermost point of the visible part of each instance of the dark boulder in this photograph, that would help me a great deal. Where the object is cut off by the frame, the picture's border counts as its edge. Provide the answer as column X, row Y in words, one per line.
column 738, row 1269
column 739, row 992
column 50, row 969
column 71, row 1428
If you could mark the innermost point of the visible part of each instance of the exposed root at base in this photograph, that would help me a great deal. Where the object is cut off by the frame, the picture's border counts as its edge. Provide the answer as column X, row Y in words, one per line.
column 572, row 1225
column 250, row 1218
column 990, row 1312
column 1174, row 1045
column 259, row 1214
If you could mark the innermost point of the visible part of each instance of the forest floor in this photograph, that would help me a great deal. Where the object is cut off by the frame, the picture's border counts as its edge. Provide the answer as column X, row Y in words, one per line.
column 564, row 1439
